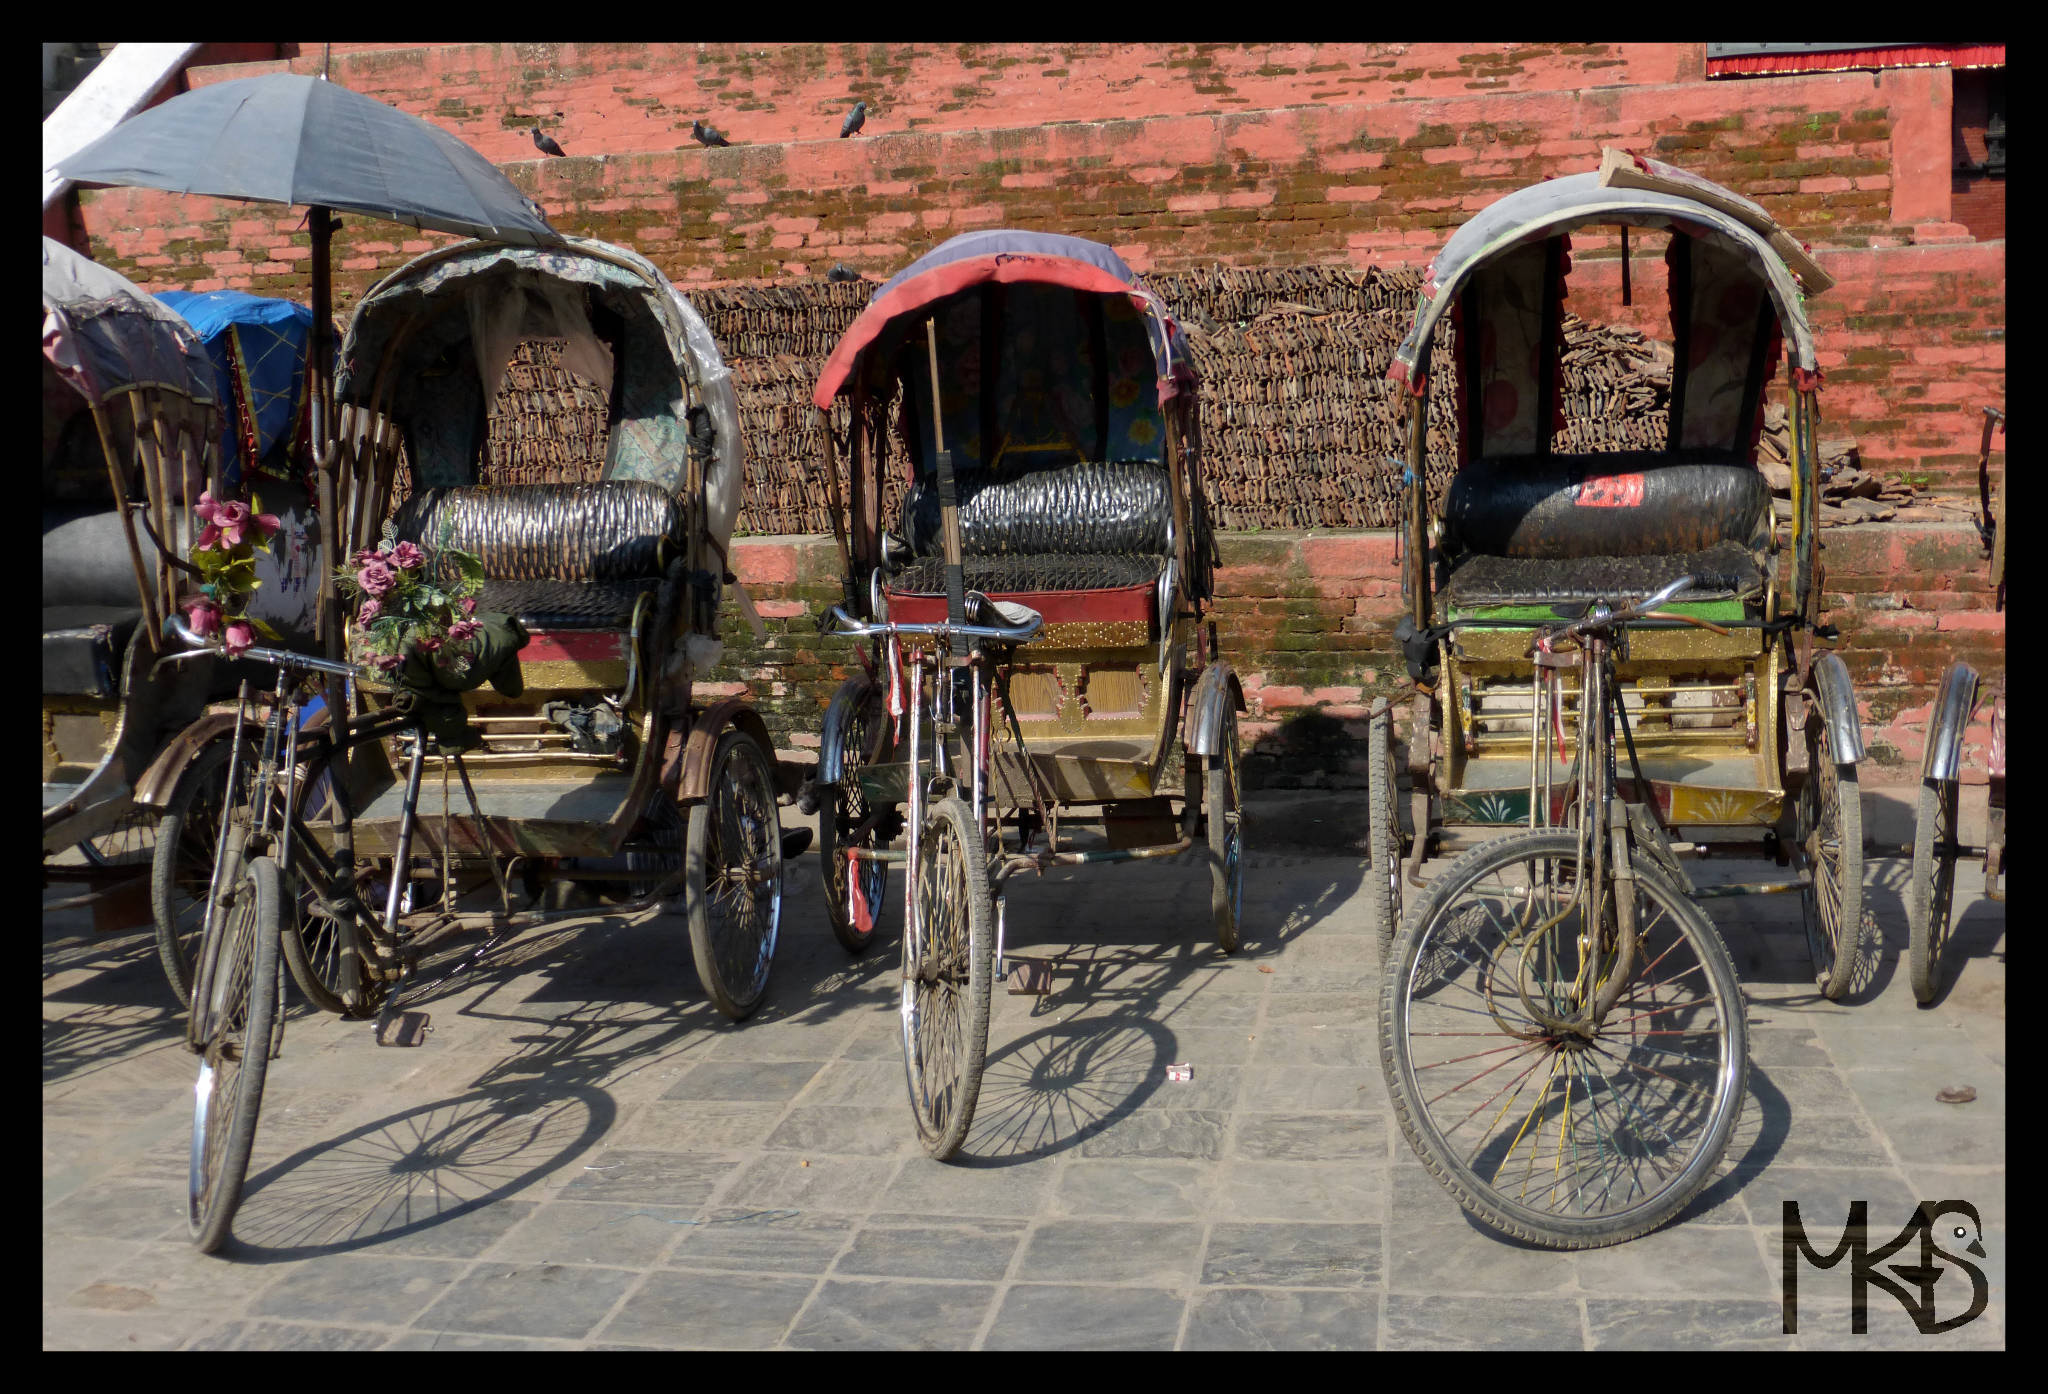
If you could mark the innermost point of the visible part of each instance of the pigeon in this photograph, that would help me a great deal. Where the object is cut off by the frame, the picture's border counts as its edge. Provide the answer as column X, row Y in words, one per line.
column 546, row 144
column 855, row 119
column 707, row 135
column 842, row 272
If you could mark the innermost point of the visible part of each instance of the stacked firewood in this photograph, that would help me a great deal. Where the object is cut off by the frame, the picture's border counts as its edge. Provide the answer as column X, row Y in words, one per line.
column 1299, row 426
column 547, row 423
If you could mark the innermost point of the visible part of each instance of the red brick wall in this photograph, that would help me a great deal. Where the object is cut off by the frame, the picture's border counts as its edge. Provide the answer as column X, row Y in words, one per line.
column 620, row 98
column 1296, row 160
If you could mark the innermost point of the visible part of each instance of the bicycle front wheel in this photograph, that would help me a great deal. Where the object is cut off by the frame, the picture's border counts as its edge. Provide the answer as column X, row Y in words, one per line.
column 949, row 951
column 1570, row 1137
column 237, row 1009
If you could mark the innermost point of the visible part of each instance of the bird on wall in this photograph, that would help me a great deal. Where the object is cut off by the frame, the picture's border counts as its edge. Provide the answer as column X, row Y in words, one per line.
column 546, row 144
column 842, row 272
column 707, row 135
column 855, row 119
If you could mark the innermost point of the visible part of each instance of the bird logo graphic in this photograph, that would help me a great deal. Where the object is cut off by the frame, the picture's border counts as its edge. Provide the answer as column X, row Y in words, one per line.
column 1942, row 1242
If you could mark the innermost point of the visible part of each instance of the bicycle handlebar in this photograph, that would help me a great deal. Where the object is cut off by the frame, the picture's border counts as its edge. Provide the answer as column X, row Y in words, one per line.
column 177, row 628
column 845, row 624
column 1596, row 618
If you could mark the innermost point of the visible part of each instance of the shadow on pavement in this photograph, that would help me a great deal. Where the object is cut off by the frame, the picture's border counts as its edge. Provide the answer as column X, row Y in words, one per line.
column 410, row 1171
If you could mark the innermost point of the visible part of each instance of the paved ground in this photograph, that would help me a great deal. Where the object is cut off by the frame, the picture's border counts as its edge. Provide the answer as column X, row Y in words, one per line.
column 584, row 1155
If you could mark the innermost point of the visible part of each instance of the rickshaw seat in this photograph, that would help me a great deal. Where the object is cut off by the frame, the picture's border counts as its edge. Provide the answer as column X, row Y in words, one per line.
column 82, row 648
column 557, row 556
column 1074, row 541
column 1722, row 572
column 1562, row 528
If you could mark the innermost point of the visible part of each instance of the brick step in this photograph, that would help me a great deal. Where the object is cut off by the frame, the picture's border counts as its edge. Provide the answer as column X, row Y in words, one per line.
column 614, row 98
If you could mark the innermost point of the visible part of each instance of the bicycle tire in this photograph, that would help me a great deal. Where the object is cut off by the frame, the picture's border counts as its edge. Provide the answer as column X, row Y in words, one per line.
column 331, row 977
column 1930, row 893
column 240, row 991
column 1222, row 804
column 948, row 969
column 841, row 809
column 1383, row 832
column 182, row 866
column 734, row 864
column 1441, row 944
column 1830, row 812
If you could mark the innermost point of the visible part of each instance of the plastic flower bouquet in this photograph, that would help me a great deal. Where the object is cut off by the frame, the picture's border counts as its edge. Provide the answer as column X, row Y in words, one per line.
column 414, row 622
column 224, row 561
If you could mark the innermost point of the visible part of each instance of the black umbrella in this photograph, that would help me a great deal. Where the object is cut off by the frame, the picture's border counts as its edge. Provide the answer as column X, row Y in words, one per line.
column 291, row 139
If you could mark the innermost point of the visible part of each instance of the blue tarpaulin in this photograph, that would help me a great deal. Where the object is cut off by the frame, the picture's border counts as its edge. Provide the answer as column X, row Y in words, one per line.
column 258, row 348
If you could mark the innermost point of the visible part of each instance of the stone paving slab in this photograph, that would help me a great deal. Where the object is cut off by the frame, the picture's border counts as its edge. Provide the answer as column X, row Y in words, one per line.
column 585, row 1156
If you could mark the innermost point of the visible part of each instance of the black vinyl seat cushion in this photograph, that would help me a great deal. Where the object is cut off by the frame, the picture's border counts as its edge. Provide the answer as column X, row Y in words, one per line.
column 82, row 648
column 1724, row 571
column 556, row 556
column 1083, row 509
column 1080, row 526
column 568, row 604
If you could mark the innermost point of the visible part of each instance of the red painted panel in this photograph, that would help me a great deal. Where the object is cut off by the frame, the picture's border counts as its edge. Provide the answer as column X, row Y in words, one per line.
column 1058, row 607
column 575, row 646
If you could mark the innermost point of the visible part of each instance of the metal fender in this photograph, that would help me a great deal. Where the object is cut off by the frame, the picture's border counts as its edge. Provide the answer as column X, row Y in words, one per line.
column 1837, row 700
column 1943, row 757
column 159, row 781
column 1216, row 692
column 852, row 695
column 703, row 743
column 153, row 790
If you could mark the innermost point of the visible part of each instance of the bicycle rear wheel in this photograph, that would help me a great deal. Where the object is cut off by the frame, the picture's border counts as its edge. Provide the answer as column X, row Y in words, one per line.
column 1566, row 1139
column 1830, row 848
column 734, row 860
column 237, row 1011
column 182, row 866
column 1383, row 830
column 1930, row 892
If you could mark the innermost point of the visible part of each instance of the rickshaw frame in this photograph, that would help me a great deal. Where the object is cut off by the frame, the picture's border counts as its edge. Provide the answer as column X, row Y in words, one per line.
column 1791, row 682
column 1188, row 704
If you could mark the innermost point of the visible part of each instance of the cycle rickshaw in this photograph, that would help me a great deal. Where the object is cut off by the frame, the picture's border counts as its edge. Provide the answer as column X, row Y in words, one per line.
column 1035, row 650
column 1929, row 893
column 585, row 767
column 259, row 349
column 1610, row 651
column 130, row 421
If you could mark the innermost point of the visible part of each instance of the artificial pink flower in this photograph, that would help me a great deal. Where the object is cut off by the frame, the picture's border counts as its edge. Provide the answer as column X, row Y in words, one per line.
column 389, row 662
column 462, row 629
column 370, row 610
column 204, row 615
column 406, row 556
column 375, row 578
column 368, row 555
column 468, row 604
column 240, row 635
column 426, row 643
column 206, row 507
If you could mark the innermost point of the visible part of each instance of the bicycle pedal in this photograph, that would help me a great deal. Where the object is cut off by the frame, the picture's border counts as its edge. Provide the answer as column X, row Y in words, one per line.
column 405, row 1029
column 1029, row 977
